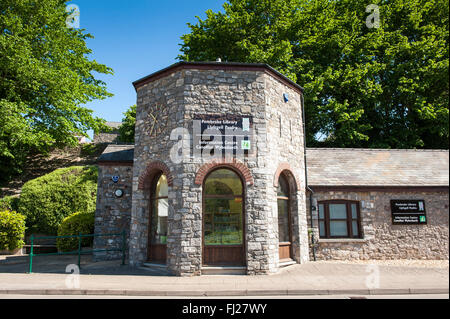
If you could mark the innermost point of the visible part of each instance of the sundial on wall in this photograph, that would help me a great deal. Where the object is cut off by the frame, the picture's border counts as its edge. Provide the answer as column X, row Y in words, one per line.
column 158, row 119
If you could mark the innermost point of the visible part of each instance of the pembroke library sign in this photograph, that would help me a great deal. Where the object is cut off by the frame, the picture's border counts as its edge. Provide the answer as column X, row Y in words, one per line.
column 222, row 135
column 219, row 176
column 408, row 212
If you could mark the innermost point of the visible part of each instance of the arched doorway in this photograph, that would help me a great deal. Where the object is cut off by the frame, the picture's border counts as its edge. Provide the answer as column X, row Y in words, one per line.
column 159, row 208
column 223, row 218
column 284, row 197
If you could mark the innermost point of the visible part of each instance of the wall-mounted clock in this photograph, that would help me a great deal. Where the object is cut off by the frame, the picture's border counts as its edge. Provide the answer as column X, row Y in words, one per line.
column 158, row 119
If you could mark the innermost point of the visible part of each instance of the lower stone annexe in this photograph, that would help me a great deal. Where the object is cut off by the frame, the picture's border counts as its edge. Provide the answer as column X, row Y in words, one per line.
column 380, row 238
column 113, row 213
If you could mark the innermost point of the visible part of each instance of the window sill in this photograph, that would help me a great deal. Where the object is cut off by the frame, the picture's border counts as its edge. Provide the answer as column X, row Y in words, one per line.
column 342, row 240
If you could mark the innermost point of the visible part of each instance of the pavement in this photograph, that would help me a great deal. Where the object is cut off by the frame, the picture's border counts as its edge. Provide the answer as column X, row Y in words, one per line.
column 329, row 278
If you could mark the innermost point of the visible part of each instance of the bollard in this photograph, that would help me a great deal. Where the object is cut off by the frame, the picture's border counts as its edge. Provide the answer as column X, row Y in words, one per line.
column 79, row 250
column 31, row 254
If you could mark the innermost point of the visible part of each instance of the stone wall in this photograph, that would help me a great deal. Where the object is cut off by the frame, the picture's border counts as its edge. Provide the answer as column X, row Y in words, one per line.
column 106, row 138
column 112, row 213
column 285, row 152
column 239, row 93
column 162, row 100
column 381, row 239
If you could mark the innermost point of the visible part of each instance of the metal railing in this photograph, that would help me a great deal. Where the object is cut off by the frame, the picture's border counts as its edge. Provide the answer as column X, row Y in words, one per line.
column 79, row 252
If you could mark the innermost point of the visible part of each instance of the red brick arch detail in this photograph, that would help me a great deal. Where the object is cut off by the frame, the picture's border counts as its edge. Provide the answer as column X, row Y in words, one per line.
column 286, row 169
column 154, row 168
column 241, row 168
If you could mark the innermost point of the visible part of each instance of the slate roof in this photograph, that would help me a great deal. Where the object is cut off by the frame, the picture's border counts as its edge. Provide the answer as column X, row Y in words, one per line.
column 377, row 167
column 117, row 153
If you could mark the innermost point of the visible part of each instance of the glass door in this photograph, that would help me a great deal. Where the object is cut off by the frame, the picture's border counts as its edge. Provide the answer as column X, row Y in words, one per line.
column 223, row 226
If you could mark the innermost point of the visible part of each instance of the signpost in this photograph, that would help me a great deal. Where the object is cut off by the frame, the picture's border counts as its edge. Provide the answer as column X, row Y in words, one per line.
column 408, row 212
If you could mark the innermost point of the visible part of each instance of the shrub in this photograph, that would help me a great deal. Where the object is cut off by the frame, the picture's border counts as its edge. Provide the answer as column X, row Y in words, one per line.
column 12, row 230
column 9, row 203
column 47, row 200
column 73, row 225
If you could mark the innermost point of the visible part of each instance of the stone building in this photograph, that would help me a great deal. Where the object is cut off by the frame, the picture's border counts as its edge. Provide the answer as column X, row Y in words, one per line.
column 369, row 180
column 219, row 180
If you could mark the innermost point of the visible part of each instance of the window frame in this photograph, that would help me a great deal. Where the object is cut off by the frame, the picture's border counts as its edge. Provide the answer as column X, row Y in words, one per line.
column 289, row 205
column 349, row 220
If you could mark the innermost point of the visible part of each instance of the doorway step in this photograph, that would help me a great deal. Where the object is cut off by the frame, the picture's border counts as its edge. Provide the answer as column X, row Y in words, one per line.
column 286, row 262
column 224, row 270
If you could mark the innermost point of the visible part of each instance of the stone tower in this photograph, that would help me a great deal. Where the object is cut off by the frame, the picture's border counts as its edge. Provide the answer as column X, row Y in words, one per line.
column 262, row 111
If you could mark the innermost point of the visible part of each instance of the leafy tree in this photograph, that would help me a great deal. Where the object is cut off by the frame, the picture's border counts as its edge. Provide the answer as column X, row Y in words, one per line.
column 365, row 86
column 45, row 78
column 126, row 130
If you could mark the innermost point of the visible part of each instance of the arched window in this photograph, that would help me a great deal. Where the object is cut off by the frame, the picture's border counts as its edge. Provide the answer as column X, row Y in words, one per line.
column 223, row 204
column 283, row 197
column 223, row 208
column 159, row 208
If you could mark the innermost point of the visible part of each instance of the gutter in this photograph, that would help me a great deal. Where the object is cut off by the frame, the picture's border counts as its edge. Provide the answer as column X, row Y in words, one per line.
column 311, row 192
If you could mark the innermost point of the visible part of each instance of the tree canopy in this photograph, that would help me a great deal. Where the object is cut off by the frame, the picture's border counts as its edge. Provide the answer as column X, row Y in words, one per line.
column 382, row 86
column 45, row 78
column 126, row 130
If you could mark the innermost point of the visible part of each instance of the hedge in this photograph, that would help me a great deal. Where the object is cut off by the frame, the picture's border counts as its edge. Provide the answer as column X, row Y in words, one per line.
column 47, row 200
column 12, row 230
column 73, row 225
column 9, row 203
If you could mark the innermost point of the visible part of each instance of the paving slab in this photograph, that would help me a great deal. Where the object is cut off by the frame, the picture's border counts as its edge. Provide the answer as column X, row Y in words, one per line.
column 322, row 278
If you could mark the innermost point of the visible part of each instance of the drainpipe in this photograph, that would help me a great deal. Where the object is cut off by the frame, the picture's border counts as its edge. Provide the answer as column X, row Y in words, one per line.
column 311, row 192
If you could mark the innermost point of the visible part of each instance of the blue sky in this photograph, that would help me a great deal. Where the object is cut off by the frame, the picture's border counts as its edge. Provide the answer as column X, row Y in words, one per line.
column 135, row 38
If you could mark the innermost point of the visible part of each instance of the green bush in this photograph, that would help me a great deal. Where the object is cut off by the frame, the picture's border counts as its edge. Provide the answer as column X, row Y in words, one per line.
column 47, row 200
column 9, row 203
column 12, row 230
column 73, row 225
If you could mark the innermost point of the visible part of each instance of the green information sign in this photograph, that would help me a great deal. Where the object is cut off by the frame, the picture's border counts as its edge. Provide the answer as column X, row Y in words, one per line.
column 245, row 145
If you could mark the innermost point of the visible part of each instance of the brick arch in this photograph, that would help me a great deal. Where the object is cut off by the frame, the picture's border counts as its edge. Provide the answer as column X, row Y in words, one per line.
column 286, row 169
column 152, row 169
column 241, row 168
